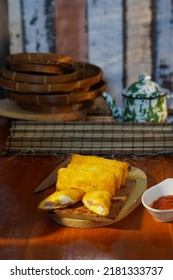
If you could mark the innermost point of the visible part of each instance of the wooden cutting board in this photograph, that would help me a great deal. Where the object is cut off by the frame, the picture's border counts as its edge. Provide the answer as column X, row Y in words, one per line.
column 123, row 203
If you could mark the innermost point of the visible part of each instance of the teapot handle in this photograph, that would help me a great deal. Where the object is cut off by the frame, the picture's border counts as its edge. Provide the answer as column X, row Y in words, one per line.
column 112, row 105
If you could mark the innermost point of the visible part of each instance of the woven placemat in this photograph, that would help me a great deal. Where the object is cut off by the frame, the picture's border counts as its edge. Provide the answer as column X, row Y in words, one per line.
column 89, row 137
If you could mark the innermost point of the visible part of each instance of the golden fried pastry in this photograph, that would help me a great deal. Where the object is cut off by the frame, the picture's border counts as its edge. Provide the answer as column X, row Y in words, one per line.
column 115, row 166
column 90, row 179
column 86, row 180
column 98, row 202
column 61, row 199
column 118, row 172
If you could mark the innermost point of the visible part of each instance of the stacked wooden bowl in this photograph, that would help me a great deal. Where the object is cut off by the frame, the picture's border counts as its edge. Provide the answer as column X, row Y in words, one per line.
column 51, row 83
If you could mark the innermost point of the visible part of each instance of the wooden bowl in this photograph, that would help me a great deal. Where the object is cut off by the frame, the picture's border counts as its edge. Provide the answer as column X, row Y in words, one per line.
column 87, row 75
column 40, row 74
column 70, row 108
column 57, row 99
column 11, row 109
column 45, row 58
column 49, row 83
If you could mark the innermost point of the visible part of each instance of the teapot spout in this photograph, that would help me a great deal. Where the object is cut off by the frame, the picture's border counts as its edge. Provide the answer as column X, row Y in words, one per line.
column 112, row 105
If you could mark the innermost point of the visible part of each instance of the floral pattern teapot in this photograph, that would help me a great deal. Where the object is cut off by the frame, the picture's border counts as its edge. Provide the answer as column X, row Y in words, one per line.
column 143, row 101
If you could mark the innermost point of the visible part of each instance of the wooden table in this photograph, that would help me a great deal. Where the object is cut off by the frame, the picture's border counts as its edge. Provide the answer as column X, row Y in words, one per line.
column 28, row 233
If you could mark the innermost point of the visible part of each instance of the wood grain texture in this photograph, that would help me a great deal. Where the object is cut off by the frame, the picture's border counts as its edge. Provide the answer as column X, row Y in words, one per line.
column 4, row 35
column 81, row 217
column 138, row 44
column 71, row 29
column 164, row 46
column 15, row 26
column 27, row 233
column 125, row 38
column 38, row 25
column 105, row 42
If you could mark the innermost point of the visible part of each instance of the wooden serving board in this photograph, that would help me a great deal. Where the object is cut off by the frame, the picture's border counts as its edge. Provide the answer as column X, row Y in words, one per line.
column 123, row 203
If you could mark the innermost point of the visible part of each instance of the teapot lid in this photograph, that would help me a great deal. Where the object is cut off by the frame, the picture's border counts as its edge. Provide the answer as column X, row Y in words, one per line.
column 144, row 88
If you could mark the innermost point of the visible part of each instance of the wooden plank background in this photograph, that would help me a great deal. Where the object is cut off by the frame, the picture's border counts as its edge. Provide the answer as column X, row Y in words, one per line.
column 124, row 37
column 4, row 34
column 71, row 29
column 138, row 41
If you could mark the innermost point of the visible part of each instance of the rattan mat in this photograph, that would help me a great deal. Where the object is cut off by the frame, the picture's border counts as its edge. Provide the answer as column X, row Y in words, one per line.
column 89, row 137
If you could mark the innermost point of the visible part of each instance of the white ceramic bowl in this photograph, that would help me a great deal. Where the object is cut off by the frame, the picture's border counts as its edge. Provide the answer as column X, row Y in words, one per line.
column 153, row 193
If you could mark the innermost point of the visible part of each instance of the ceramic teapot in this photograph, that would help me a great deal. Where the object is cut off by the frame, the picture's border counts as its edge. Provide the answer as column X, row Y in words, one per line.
column 143, row 101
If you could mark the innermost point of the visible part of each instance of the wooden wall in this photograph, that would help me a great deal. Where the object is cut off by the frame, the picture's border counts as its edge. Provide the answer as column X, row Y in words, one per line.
column 124, row 37
column 4, row 34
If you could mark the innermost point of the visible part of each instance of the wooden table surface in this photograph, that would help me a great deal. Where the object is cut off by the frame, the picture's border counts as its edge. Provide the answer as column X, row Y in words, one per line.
column 28, row 233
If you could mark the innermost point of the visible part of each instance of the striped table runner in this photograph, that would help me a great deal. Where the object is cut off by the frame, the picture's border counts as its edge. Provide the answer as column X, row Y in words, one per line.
column 89, row 137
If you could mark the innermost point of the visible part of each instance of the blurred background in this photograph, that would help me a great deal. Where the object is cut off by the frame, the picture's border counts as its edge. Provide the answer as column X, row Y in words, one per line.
column 124, row 37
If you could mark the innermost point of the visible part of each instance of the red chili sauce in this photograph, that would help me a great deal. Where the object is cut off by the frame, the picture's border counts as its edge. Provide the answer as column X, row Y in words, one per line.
column 163, row 202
